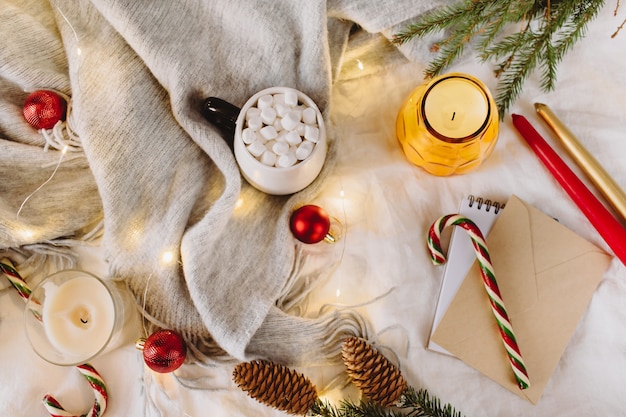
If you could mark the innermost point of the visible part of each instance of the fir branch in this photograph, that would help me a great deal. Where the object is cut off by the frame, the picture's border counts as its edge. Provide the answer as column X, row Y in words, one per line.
column 346, row 408
column 518, row 66
column 367, row 409
column 324, row 408
column 566, row 22
column 422, row 404
column 412, row 404
column 449, row 51
column 507, row 46
column 551, row 30
column 453, row 47
column 577, row 27
column 435, row 21
column 550, row 63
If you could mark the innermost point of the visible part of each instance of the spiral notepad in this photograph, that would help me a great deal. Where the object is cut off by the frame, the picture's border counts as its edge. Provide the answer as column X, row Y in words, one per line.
column 461, row 255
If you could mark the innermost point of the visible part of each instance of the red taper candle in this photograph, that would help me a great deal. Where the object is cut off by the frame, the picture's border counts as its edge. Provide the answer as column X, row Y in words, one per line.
column 607, row 226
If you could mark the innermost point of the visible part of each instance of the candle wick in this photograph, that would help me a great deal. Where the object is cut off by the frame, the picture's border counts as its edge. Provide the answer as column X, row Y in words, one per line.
column 453, row 114
column 84, row 321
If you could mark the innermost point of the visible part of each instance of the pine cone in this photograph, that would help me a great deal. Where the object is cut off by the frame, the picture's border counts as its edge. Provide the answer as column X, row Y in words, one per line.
column 276, row 386
column 379, row 380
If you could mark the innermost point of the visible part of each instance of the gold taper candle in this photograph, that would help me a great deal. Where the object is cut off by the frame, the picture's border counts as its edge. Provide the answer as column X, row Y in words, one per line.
column 613, row 193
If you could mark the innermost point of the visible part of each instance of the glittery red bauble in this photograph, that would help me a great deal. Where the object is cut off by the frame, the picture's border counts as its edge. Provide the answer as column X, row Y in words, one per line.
column 310, row 224
column 164, row 351
column 44, row 108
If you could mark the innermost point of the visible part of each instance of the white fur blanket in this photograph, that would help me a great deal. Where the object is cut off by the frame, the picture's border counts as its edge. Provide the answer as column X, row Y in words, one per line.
column 387, row 205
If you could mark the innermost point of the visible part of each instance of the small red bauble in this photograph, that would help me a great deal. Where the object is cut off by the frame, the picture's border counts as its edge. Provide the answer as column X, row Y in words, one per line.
column 164, row 351
column 310, row 224
column 44, row 108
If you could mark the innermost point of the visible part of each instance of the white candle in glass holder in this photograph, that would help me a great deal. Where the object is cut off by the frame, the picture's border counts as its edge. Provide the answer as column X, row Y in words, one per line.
column 78, row 316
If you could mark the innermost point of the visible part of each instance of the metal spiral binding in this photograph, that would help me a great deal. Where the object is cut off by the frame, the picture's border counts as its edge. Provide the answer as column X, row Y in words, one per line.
column 486, row 202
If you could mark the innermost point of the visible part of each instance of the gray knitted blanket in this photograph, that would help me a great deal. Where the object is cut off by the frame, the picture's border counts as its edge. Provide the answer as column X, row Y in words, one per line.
column 160, row 179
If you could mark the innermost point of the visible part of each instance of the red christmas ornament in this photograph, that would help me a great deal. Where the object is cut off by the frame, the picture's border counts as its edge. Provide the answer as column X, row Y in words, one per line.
column 44, row 108
column 310, row 224
column 164, row 351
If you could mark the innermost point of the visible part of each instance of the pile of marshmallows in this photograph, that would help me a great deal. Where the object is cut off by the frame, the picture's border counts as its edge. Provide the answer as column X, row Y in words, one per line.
column 280, row 131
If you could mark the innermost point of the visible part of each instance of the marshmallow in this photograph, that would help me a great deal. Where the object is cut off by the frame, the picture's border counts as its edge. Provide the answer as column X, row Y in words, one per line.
column 282, row 109
column 278, row 125
column 268, row 158
column 291, row 120
column 311, row 133
column 293, row 138
column 286, row 160
column 265, row 101
column 248, row 136
column 280, row 148
column 268, row 132
column 309, row 116
column 291, row 98
column 255, row 122
column 252, row 112
column 268, row 115
column 256, row 148
column 304, row 150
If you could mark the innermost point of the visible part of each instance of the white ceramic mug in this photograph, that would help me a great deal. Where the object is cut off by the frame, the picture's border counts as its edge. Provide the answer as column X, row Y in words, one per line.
column 269, row 179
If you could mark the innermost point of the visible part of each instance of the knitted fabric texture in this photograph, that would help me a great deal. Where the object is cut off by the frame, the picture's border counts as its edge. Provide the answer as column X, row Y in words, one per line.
column 160, row 176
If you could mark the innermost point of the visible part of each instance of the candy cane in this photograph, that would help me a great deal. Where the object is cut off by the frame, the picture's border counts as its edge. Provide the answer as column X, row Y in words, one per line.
column 7, row 268
column 97, row 385
column 88, row 371
column 489, row 281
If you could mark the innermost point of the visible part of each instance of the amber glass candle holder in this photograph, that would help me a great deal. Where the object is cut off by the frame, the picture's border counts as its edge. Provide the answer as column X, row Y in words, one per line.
column 448, row 125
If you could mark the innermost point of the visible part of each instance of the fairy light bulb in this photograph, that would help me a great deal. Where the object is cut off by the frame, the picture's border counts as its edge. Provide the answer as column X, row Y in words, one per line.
column 239, row 203
column 167, row 257
column 26, row 234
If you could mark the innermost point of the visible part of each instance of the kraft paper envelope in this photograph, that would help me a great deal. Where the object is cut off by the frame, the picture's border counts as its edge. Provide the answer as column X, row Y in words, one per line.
column 546, row 274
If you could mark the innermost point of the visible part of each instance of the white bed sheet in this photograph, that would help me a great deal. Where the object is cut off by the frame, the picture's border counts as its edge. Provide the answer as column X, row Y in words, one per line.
column 382, row 261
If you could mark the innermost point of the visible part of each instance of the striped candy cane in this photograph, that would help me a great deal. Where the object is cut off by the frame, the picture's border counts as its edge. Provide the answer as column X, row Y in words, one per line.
column 98, row 387
column 489, row 280
column 8, row 270
column 89, row 372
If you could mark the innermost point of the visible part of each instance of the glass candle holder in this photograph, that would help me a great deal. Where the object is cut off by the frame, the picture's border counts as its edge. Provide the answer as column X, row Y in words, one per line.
column 448, row 125
column 73, row 316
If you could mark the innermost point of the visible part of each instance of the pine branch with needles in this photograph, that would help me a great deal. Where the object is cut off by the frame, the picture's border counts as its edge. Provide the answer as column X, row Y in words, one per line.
column 549, row 30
